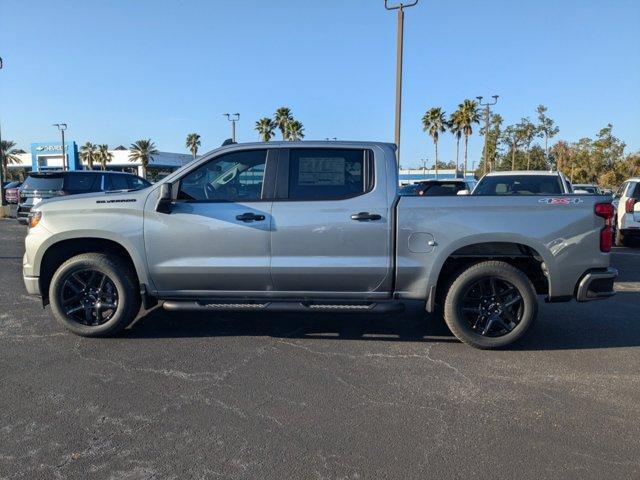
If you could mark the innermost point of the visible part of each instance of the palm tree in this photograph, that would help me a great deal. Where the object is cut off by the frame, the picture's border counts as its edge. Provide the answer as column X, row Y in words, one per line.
column 265, row 127
column 468, row 116
column 104, row 155
column 142, row 151
column 434, row 123
column 281, row 118
column 9, row 155
column 192, row 143
column 455, row 126
column 89, row 153
column 294, row 131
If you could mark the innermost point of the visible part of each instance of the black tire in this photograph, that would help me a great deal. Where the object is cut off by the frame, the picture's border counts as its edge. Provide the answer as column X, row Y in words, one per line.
column 461, row 323
column 123, row 288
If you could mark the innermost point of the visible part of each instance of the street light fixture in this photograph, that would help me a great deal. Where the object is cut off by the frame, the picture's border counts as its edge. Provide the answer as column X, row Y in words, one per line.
column 62, row 127
column 233, row 118
column 487, row 116
column 400, row 7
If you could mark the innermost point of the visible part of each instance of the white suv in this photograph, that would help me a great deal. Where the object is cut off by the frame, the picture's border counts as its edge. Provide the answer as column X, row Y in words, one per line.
column 628, row 212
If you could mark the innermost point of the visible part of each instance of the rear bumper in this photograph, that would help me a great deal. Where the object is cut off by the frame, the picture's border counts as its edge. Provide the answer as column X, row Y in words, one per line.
column 32, row 284
column 596, row 284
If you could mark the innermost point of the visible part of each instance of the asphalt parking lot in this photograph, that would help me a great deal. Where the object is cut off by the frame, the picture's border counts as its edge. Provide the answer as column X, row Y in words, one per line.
column 321, row 397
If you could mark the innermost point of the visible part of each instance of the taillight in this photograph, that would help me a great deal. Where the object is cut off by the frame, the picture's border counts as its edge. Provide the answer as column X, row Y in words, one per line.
column 628, row 205
column 605, row 210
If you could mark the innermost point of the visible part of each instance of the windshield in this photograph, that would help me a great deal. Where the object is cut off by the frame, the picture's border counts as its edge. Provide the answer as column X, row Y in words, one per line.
column 519, row 185
column 43, row 182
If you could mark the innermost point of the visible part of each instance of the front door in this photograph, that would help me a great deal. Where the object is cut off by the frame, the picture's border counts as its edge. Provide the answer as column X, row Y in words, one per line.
column 215, row 241
column 332, row 224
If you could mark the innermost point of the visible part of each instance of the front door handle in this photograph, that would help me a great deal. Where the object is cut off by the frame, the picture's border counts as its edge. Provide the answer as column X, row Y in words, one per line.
column 250, row 217
column 363, row 216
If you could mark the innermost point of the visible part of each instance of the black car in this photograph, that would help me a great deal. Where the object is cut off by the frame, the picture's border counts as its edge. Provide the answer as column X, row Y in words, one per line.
column 437, row 188
column 39, row 186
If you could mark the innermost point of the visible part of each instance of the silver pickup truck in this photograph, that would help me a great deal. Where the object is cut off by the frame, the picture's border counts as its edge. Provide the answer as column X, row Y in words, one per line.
column 314, row 227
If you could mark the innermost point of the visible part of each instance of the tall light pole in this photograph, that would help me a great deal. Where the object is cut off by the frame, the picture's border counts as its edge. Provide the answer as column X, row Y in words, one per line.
column 62, row 127
column 233, row 118
column 3, row 201
column 487, row 116
column 400, row 8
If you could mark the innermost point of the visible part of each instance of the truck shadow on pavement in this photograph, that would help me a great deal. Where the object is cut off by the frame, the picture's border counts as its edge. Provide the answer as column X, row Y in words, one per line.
column 559, row 326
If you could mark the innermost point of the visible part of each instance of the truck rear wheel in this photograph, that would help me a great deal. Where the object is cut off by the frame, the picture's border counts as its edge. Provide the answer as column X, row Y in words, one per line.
column 94, row 295
column 490, row 305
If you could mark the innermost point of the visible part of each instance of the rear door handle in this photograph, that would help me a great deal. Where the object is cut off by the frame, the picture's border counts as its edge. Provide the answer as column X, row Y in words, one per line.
column 250, row 217
column 363, row 216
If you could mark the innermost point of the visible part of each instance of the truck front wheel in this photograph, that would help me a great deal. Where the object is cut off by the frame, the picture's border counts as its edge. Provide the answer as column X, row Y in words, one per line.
column 94, row 295
column 490, row 305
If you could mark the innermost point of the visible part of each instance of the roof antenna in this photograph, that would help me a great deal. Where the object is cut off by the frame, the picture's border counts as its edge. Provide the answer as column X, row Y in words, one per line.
column 228, row 141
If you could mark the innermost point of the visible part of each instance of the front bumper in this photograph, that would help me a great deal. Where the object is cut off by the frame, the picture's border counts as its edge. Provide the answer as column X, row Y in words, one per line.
column 596, row 284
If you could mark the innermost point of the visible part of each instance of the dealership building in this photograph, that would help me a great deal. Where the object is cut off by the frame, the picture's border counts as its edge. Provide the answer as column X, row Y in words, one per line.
column 48, row 156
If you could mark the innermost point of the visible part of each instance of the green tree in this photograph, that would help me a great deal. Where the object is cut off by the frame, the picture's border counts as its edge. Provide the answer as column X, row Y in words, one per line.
column 455, row 127
column 193, row 143
column 435, row 123
column 89, row 153
column 528, row 132
column 265, row 128
column 493, row 143
column 104, row 155
column 9, row 156
column 282, row 118
column 142, row 151
column 512, row 137
column 546, row 128
column 469, row 115
column 294, row 131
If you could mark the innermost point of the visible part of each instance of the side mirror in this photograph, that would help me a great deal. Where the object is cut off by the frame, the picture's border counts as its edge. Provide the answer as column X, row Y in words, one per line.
column 463, row 192
column 163, row 205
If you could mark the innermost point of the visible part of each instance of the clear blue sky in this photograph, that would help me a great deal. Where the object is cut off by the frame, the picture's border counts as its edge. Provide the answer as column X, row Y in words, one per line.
column 121, row 70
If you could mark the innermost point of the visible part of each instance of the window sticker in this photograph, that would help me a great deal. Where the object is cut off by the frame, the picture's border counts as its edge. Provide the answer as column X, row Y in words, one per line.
column 321, row 171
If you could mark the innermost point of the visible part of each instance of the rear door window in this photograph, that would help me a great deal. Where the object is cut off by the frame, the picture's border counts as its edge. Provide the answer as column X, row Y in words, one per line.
column 328, row 174
column 82, row 183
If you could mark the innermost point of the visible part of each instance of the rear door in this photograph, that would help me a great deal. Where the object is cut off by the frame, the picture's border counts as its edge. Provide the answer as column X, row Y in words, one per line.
column 332, row 223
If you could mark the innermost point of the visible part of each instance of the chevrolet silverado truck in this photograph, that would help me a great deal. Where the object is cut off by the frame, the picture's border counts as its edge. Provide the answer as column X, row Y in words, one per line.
column 314, row 227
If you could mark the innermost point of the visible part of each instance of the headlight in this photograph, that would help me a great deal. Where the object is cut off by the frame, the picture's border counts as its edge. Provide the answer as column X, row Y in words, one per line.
column 34, row 218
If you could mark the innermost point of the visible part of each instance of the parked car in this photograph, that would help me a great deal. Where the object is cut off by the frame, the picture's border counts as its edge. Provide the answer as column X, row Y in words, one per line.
column 11, row 194
column 525, row 182
column 588, row 188
column 40, row 186
column 437, row 188
column 307, row 227
column 627, row 221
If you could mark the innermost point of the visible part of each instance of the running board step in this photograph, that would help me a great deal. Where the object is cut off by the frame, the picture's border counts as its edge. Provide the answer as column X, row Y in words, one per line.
column 283, row 306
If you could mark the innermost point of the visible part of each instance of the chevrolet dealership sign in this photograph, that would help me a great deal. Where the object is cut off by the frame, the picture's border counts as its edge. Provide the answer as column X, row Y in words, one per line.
column 49, row 148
